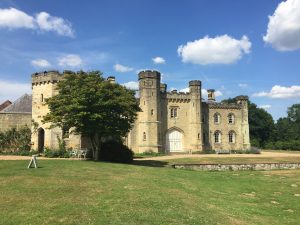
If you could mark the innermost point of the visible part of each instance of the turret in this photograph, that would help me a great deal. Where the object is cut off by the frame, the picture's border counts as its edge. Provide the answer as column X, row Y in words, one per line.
column 243, row 100
column 196, row 115
column 149, row 125
column 211, row 95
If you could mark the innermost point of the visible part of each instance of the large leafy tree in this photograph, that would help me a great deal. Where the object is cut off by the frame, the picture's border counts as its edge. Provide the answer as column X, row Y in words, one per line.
column 93, row 107
column 261, row 123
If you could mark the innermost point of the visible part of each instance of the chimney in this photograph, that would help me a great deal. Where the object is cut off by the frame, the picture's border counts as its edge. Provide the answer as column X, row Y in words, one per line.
column 111, row 79
column 211, row 95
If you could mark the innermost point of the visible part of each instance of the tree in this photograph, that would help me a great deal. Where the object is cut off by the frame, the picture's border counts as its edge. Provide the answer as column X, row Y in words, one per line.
column 93, row 107
column 261, row 123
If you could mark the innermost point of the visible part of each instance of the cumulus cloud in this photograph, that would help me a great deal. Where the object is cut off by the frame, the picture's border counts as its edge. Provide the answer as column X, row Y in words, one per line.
column 122, row 69
column 219, row 50
column 265, row 107
column 70, row 60
column 203, row 92
column 282, row 92
column 243, row 85
column 132, row 85
column 46, row 22
column 283, row 31
column 40, row 63
column 14, row 19
column 12, row 90
column 159, row 60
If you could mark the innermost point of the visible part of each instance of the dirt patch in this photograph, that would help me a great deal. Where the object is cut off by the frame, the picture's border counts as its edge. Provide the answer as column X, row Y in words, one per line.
column 262, row 155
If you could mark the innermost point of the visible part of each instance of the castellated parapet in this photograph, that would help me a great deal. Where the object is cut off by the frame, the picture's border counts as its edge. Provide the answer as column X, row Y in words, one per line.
column 46, row 77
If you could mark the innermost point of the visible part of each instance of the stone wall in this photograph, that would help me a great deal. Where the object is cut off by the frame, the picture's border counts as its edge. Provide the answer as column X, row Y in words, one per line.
column 236, row 167
column 10, row 120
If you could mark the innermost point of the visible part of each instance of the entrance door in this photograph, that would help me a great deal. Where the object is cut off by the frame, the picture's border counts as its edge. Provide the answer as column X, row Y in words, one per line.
column 41, row 140
column 174, row 141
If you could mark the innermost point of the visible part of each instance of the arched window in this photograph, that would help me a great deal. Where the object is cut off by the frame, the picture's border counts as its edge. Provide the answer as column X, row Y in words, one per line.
column 217, row 137
column 217, row 118
column 152, row 111
column 230, row 118
column 231, row 137
column 144, row 136
column 173, row 112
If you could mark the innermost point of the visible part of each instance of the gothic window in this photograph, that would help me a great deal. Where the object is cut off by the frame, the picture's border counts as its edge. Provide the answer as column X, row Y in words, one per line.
column 217, row 118
column 144, row 136
column 65, row 132
column 173, row 112
column 217, row 137
column 231, row 137
column 230, row 118
column 152, row 112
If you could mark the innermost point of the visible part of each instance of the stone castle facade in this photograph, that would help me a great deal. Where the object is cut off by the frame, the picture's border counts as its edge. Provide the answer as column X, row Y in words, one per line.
column 170, row 122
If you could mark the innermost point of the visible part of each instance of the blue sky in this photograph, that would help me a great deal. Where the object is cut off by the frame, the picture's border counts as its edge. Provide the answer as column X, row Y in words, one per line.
column 249, row 47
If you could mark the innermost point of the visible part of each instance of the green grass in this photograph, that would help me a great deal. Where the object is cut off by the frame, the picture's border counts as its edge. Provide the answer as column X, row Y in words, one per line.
column 85, row 192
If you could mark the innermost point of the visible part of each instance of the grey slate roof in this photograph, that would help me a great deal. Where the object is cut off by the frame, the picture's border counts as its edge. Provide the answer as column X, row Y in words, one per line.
column 21, row 105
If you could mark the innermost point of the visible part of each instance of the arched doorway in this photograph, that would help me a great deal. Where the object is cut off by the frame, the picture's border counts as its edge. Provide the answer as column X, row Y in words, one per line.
column 174, row 141
column 41, row 140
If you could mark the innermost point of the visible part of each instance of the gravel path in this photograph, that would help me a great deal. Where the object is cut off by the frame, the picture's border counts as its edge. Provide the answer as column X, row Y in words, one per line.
column 262, row 155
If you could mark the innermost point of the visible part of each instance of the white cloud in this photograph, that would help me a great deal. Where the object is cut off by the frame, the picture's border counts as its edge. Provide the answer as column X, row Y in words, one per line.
column 219, row 50
column 203, row 92
column 284, row 26
column 40, row 63
column 185, row 90
column 282, row 92
column 159, row 60
column 47, row 22
column 265, row 107
column 132, row 85
column 70, row 60
column 12, row 91
column 243, row 85
column 122, row 69
column 13, row 19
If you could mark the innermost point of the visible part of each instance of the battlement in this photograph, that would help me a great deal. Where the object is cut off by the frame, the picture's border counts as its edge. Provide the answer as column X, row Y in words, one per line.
column 149, row 74
column 175, row 96
column 51, row 76
column 242, row 98
column 195, row 83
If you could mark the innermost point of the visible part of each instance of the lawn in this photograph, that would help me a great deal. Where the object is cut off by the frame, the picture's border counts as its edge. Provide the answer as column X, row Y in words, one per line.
column 85, row 192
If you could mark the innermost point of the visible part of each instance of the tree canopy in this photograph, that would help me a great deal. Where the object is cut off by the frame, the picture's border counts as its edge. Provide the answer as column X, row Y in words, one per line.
column 92, row 107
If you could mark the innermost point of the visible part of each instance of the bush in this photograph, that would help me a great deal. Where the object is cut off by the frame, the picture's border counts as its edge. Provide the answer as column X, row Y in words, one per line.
column 148, row 154
column 14, row 140
column 50, row 153
column 116, row 151
column 293, row 145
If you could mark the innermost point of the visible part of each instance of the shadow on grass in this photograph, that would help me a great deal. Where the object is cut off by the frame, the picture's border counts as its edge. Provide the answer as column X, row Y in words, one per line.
column 150, row 163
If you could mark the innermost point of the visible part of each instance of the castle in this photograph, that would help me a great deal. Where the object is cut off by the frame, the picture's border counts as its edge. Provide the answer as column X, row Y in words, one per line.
column 169, row 122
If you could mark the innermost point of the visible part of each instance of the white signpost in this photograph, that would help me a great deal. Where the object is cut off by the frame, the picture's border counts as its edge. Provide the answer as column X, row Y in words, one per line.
column 33, row 162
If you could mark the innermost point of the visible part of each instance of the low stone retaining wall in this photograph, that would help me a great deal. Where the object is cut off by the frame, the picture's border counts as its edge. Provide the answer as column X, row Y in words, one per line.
column 235, row 167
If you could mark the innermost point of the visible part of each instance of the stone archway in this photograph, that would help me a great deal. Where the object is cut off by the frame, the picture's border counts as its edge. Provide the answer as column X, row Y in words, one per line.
column 174, row 141
column 41, row 140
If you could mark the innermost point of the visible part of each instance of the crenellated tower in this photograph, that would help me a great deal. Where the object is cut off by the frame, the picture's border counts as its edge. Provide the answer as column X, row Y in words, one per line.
column 149, row 132
column 243, row 101
column 195, row 120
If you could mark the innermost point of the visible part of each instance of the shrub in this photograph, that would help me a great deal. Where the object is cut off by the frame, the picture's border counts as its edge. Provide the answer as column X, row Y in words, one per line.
column 116, row 151
column 148, row 154
column 50, row 153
